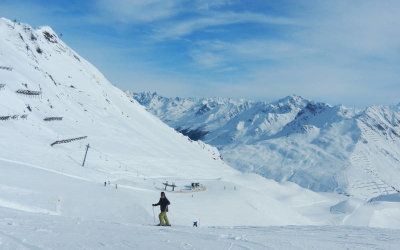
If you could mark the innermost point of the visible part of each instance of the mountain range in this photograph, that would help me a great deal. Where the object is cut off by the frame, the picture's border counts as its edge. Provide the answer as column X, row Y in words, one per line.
column 316, row 145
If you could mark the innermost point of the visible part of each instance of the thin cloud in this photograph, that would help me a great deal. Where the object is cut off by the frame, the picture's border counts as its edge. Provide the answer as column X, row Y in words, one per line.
column 166, row 15
column 254, row 50
column 137, row 11
column 145, row 11
column 178, row 29
column 206, row 59
column 359, row 27
column 208, row 5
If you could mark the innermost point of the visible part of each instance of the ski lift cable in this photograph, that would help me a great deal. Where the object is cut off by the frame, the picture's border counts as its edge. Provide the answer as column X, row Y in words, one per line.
column 114, row 159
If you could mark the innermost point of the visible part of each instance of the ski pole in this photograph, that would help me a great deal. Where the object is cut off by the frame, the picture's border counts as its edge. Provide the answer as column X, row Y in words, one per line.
column 154, row 216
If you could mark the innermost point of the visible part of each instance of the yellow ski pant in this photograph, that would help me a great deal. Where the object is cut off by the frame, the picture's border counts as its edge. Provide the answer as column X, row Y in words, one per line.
column 163, row 218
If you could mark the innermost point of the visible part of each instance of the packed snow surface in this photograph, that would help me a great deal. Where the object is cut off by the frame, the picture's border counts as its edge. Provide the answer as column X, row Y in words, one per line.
column 18, row 231
column 54, row 105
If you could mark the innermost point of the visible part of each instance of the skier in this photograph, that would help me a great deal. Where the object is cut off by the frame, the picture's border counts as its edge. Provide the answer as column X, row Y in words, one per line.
column 163, row 203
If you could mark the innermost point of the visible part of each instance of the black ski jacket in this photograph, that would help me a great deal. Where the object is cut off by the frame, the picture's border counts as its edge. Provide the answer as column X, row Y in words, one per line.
column 163, row 203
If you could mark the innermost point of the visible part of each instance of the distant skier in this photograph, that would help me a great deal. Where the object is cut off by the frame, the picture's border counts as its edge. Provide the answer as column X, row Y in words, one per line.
column 163, row 203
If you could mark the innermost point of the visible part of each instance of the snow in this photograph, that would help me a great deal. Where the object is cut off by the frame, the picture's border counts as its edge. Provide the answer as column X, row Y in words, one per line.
column 48, row 200
column 49, row 192
column 54, row 211
column 43, row 232
column 318, row 146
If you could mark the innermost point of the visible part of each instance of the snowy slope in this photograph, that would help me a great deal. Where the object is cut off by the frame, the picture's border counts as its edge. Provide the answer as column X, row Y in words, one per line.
column 318, row 146
column 89, row 106
column 51, row 94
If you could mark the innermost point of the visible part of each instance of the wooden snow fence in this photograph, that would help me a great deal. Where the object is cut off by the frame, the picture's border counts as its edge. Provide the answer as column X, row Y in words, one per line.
column 5, row 118
column 68, row 140
column 6, row 68
column 53, row 118
column 28, row 92
column 13, row 117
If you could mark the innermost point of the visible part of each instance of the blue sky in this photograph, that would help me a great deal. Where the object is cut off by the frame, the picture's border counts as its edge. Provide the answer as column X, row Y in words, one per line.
column 334, row 51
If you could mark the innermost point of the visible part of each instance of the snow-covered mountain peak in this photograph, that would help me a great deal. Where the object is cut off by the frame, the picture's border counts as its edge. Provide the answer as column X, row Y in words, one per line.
column 51, row 94
column 47, row 29
column 5, row 21
column 17, row 27
column 291, row 100
column 49, row 34
column 144, row 97
column 381, row 120
column 318, row 110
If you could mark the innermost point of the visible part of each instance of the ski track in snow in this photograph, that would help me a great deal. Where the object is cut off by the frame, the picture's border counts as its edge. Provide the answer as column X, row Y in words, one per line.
column 17, row 206
column 42, row 168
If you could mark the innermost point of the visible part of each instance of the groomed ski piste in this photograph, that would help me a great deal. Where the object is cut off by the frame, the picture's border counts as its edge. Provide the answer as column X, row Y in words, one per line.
column 44, row 209
column 48, row 200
